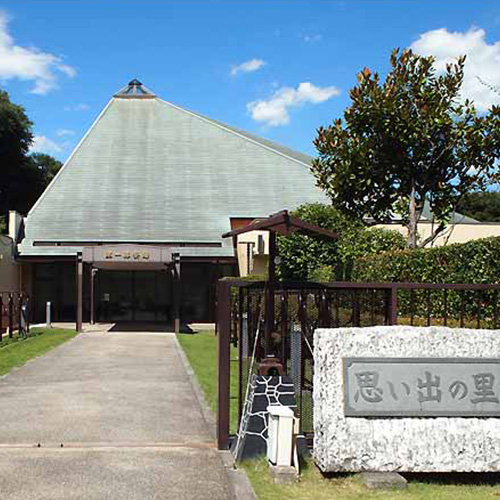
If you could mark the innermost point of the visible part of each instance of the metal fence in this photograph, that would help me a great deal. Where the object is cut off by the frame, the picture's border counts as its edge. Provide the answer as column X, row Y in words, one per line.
column 253, row 323
column 14, row 314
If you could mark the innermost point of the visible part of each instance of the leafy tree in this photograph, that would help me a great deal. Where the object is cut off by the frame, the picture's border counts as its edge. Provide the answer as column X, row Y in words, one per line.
column 483, row 206
column 23, row 177
column 47, row 167
column 303, row 257
column 406, row 141
column 15, row 140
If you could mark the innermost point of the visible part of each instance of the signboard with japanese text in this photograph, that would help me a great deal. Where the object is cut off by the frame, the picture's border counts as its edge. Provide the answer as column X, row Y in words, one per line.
column 138, row 254
column 421, row 387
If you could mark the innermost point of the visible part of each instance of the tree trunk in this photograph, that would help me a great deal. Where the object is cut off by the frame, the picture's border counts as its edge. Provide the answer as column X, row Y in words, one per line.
column 412, row 223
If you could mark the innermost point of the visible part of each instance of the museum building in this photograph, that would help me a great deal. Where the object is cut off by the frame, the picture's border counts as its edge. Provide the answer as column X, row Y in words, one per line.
column 131, row 227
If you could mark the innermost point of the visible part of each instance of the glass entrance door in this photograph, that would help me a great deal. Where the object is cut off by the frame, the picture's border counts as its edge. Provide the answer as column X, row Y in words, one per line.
column 144, row 296
column 114, row 295
column 133, row 296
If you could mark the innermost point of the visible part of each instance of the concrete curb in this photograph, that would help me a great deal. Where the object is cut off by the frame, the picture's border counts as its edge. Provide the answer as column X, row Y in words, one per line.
column 237, row 478
column 207, row 413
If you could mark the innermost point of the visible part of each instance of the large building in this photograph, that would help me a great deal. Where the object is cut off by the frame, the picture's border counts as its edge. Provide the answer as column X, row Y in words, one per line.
column 140, row 206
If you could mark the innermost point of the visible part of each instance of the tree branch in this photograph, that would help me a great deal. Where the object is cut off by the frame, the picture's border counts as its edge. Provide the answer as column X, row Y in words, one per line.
column 434, row 235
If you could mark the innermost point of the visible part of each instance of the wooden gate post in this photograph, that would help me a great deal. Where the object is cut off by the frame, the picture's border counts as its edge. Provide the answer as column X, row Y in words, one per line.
column 223, row 371
column 11, row 315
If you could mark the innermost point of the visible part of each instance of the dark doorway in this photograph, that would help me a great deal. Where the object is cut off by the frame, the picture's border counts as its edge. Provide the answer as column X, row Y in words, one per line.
column 133, row 296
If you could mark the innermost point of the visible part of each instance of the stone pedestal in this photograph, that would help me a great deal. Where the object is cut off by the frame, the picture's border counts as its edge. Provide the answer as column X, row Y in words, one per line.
column 415, row 443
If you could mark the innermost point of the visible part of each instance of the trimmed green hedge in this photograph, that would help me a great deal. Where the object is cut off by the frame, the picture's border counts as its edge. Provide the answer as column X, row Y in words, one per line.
column 476, row 261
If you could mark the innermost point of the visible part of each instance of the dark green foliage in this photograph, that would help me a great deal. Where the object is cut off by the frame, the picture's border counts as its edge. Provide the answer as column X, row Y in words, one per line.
column 405, row 141
column 46, row 167
column 472, row 262
column 23, row 177
column 15, row 140
column 303, row 257
column 483, row 206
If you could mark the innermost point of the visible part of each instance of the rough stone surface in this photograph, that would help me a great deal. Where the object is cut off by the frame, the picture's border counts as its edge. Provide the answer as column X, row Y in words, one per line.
column 399, row 444
column 384, row 480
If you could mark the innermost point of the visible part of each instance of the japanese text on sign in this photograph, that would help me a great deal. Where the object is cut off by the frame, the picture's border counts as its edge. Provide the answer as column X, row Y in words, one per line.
column 421, row 387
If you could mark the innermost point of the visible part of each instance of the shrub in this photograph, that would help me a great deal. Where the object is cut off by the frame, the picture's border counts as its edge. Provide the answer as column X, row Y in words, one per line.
column 476, row 261
column 303, row 257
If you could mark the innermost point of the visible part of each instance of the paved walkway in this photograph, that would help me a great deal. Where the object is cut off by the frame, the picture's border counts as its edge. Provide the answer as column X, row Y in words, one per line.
column 115, row 416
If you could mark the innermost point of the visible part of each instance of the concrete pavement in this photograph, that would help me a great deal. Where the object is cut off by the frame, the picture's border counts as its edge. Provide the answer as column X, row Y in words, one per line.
column 123, row 408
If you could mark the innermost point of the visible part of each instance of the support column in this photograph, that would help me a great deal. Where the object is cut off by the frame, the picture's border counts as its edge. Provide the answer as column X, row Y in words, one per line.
column 93, row 272
column 176, row 275
column 269, row 323
column 224, row 364
column 79, row 291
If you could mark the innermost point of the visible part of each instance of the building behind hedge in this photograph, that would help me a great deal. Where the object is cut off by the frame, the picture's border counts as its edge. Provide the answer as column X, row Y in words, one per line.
column 140, row 206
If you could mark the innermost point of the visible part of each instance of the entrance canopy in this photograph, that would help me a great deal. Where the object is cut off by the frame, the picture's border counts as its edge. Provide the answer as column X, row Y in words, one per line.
column 283, row 223
column 129, row 257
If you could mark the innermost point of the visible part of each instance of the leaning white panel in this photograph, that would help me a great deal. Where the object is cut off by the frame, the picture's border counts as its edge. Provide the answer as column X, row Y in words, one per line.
column 430, row 444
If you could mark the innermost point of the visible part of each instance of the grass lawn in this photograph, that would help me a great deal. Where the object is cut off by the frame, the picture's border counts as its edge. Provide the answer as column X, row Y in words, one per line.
column 15, row 352
column 201, row 350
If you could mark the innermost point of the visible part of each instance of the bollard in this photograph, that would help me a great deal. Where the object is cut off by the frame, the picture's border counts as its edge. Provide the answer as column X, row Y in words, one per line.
column 47, row 315
column 11, row 315
column 23, row 322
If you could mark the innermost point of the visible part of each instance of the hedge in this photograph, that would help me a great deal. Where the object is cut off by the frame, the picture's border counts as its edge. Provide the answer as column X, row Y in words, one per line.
column 476, row 261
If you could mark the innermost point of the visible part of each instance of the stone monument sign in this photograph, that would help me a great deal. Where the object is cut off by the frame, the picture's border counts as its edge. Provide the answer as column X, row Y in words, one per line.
column 406, row 398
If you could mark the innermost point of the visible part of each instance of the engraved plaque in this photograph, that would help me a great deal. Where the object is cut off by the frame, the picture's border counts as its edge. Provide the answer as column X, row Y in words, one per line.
column 421, row 387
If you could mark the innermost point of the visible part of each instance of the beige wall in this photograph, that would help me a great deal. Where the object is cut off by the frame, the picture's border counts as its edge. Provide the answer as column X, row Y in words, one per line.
column 258, row 263
column 9, row 269
column 458, row 233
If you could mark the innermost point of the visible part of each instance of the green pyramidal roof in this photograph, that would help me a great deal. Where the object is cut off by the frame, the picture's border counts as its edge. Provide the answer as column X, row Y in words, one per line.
column 149, row 171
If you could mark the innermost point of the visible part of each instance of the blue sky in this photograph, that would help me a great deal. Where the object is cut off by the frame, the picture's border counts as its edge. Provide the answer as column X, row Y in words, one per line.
column 275, row 68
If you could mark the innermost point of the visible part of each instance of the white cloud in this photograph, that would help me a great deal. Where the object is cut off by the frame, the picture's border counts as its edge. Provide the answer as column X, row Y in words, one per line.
column 77, row 107
column 482, row 63
column 312, row 38
column 42, row 144
column 64, row 131
column 28, row 63
column 247, row 66
column 275, row 110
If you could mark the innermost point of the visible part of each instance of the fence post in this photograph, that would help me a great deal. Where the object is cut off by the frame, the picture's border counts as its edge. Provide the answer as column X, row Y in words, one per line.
column 28, row 314
column 1, row 316
column 393, row 305
column 223, row 372
column 20, row 315
column 11, row 314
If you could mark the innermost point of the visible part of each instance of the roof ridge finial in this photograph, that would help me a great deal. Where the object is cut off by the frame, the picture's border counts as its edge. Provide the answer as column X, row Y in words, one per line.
column 135, row 89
